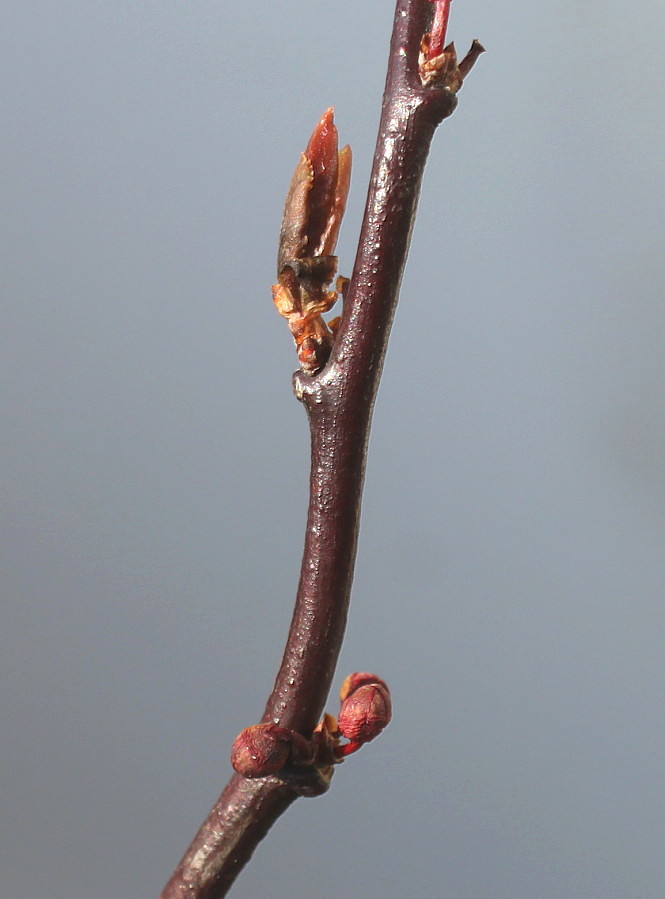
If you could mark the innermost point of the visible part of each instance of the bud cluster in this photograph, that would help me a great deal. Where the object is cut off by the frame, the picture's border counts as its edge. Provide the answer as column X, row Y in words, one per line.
column 268, row 749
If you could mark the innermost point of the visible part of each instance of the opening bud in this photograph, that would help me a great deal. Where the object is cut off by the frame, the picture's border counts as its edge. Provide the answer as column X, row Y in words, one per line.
column 306, row 263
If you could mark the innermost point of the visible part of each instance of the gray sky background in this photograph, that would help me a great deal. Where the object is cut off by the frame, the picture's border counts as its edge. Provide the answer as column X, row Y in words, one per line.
column 511, row 565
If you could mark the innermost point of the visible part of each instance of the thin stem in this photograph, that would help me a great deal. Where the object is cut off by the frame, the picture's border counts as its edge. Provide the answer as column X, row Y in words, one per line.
column 339, row 402
column 439, row 27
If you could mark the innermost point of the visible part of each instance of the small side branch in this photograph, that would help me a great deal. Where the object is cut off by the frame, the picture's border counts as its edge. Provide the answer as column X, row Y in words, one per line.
column 338, row 389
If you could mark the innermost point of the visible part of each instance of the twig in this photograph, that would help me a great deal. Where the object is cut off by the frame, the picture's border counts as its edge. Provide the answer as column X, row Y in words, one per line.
column 419, row 94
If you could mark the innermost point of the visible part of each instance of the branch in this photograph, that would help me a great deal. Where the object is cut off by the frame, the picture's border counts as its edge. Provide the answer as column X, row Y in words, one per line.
column 420, row 92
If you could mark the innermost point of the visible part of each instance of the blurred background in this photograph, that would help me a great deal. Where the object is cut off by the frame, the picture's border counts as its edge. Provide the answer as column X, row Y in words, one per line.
column 154, row 460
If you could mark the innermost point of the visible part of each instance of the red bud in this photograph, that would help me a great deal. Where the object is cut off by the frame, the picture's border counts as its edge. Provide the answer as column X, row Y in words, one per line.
column 365, row 712
column 306, row 264
column 261, row 750
column 357, row 679
column 265, row 749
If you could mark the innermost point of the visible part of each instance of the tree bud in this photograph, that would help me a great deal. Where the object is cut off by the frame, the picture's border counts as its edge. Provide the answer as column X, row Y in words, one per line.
column 261, row 750
column 306, row 263
column 358, row 679
column 365, row 712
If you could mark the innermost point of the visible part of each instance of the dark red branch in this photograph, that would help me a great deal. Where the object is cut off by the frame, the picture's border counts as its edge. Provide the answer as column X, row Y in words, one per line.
column 339, row 399
column 339, row 402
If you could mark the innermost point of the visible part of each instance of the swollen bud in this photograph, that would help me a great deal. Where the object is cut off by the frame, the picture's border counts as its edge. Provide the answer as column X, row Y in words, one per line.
column 265, row 749
column 358, row 679
column 366, row 708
